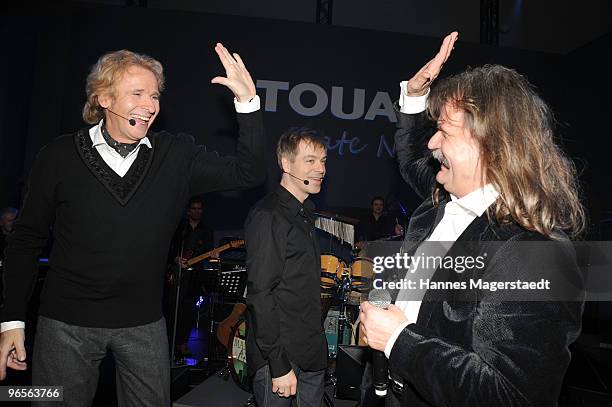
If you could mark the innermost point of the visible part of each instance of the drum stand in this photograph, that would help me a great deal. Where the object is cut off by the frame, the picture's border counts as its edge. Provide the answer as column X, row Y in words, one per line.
column 209, row 300
column 344, row 288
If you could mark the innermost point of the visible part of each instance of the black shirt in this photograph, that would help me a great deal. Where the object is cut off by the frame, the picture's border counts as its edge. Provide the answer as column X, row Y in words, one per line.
column 371, row 229
column 283, row 292
column 192, row 241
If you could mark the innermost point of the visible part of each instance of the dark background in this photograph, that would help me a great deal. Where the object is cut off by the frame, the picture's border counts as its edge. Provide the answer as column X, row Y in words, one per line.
column 48, row 51
column 561, row 46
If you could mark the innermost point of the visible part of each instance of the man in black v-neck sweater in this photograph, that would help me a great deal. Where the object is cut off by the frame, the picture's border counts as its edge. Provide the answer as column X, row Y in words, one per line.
column 113, row 195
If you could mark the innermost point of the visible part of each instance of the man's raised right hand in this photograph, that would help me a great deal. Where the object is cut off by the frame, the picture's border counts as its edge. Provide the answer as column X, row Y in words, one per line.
column 419, row 84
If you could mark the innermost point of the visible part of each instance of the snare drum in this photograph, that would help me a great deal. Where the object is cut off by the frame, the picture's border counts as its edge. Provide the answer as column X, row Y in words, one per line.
column 362, row 273
column 331, row 267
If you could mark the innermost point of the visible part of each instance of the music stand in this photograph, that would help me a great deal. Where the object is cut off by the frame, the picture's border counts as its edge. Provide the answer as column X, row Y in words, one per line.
column 229, row 287
column 231, row 283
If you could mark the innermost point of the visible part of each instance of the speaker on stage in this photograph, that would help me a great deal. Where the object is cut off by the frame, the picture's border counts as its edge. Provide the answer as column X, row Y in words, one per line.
column 350, row 363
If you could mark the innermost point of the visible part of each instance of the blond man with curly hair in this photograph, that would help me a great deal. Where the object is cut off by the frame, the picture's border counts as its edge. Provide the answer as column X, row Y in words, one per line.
column 113, row 193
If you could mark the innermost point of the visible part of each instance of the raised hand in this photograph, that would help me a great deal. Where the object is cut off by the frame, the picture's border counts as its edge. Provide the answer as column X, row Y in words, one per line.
column 421, row 81
column 237, row 78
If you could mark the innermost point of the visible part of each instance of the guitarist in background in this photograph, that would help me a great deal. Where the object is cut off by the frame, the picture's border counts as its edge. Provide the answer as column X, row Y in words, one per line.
column 286, row 346
column 191, row 239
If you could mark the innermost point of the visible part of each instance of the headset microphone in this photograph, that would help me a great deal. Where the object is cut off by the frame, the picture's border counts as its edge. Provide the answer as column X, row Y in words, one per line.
column 132, row 122
column 305, row 181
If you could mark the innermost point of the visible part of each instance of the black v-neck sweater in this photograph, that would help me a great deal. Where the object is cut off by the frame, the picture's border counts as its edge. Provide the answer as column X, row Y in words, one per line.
column 112, row 234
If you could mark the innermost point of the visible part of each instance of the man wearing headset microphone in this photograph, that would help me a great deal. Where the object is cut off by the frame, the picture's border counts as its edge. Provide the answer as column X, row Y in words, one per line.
column 113, row 195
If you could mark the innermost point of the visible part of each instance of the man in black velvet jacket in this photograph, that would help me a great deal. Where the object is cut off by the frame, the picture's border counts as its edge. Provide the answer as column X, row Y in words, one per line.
column 493, row 180
column 113, row 194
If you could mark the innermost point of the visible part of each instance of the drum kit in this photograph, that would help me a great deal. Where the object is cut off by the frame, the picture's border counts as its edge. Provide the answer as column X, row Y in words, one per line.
column 343, row 287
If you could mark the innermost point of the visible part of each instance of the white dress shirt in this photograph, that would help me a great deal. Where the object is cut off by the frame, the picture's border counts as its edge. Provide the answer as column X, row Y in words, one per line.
column 110, row 156
column 122, row 165
column 458, row 214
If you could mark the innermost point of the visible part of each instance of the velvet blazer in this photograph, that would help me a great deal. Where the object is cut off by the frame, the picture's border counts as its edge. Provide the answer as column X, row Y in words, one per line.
column 477, row 347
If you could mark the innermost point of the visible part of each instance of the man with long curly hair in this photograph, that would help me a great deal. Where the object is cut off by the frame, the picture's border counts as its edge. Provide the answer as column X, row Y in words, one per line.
column 479, row 149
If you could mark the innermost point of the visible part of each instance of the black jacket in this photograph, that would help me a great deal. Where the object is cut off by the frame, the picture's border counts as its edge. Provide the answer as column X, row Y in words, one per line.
column 475, row 348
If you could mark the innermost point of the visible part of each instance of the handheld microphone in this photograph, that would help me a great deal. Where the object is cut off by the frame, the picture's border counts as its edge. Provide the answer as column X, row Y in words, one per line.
column 132, row 122
column 305, row 181
column 380, row 365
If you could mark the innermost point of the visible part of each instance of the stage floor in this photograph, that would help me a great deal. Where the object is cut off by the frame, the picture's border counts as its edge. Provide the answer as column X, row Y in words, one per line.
column 588, row 381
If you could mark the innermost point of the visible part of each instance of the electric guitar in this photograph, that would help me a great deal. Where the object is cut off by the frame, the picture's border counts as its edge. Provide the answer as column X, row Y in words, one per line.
column 171, row 274
column 215, row 252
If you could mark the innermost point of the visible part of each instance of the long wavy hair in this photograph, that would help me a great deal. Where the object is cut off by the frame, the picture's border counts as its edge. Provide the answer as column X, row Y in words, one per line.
column 514, row 127
column 107, row 71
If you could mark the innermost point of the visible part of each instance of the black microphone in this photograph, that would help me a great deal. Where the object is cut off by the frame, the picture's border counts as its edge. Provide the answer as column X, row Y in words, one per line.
column 305, row 181
column 380, row 364
column 132, row 122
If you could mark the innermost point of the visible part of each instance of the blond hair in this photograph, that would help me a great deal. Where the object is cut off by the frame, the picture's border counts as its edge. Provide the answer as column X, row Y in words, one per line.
column 107, row 71
column 537, row 182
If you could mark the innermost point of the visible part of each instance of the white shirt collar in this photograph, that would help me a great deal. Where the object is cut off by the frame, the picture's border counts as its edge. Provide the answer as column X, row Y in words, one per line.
column 97, row 139
column 477, row 201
